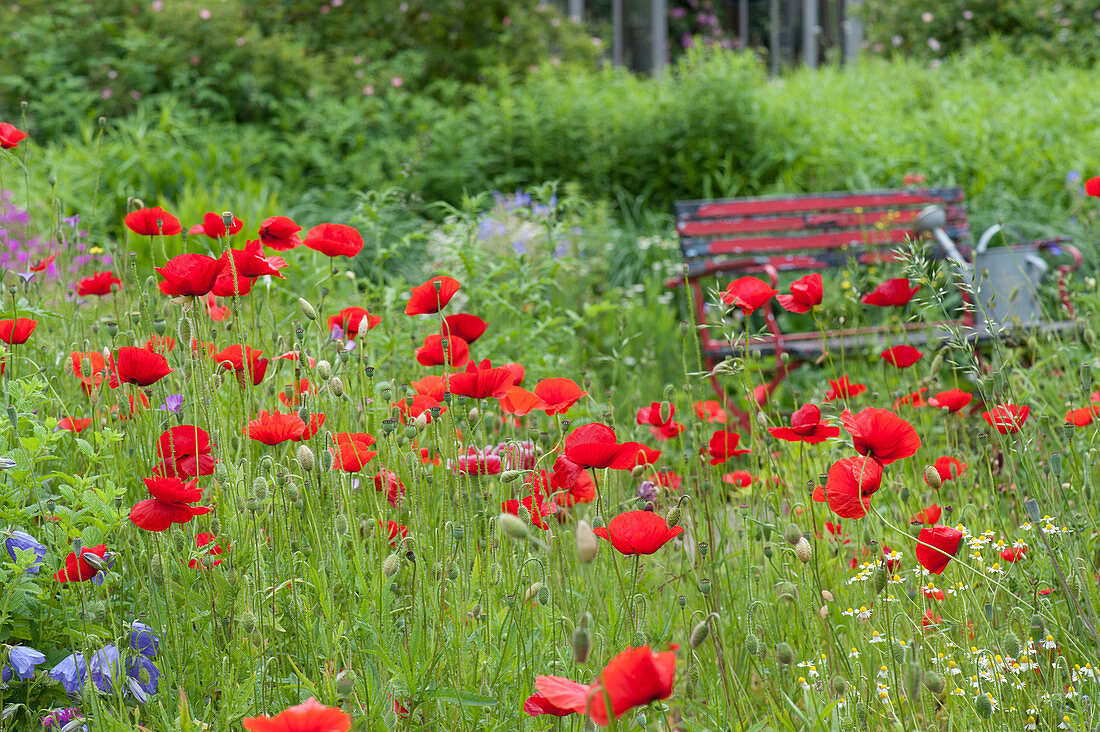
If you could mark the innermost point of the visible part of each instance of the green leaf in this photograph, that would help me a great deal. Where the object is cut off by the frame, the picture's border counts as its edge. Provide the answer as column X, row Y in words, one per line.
column 463, row 698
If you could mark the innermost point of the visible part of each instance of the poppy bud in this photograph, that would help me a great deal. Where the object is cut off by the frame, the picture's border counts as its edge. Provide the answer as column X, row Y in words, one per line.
column 699, row 634
column 913, row 679
column 784, row 654
column 510, row 476
column 840, row 685
column 524, row 514
column 544, row 595
column 983, row 706
column 587, row 546
column 664, row 411
column 827, row 596
column 786, row 591
column 337, row 386
column 751, row 644
column 1038, row 629
column 391, row 565
column 259, row 488
column 823, row 612
column 324, row 370
column 345, row 682
column 307, row 308
column 793, row 534
column 532, row 591
column 694, row 674
column 897, row 652
column 803, row 550
column 341, row 524
column 305, row 458
column 496, row 574
column 637, row 471
column 513, row 525
column 932, row 477
column 934, row 682
column 326, row 461
column 248, row 621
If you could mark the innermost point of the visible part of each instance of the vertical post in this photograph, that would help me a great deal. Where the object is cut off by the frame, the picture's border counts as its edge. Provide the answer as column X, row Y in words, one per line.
column 853, row 30
column 773, row 36
column 576, row 10
column 659, row 37
column 617, row 32
column 809, row 33
column 743, row 22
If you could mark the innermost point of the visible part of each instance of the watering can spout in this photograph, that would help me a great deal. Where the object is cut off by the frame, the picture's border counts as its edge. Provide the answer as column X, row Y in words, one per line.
column 931, row 220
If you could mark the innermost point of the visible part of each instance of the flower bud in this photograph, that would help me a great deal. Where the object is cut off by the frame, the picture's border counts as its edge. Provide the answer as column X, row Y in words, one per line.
column 803, row 550
column 897, row 652
column 345, row 682
column 699, row 634
column 513, row 525
column 840, row 685
column 582, row 644
column 913, row 679
column 983, row 706
column 934, row 683
column 259, row 488
column 587, row 543
column 326, row 461
column 337, row 386
column 878, row 579
column 324, row 370
column 1011, row 645
column 544, row 595
column 751, row 643
column 932, row 477
column 305, row 458
column 784, row 654
column 793, row 534
column 248, row 621
column 307, row 308
column 390, row 565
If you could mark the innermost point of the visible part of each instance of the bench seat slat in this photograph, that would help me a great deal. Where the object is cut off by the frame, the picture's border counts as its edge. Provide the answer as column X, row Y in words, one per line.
column 700, row 227
column 829, row 202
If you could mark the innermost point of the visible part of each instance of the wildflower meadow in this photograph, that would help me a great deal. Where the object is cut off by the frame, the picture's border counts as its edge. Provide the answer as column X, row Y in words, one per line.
column 251, row 483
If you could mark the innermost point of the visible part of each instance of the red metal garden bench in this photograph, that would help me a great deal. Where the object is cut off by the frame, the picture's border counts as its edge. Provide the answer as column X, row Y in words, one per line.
column 766, row 236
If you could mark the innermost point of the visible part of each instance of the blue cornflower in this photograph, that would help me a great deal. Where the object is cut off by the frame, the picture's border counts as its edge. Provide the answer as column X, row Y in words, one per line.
column 21, row 662
column 23, row 541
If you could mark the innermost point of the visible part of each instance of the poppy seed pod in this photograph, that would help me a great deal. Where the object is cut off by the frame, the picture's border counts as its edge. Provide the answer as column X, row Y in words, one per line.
column 307, row 308
column 704, row 586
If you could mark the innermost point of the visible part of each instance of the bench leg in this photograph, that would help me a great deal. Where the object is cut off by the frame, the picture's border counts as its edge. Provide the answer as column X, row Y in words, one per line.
column 759, row 397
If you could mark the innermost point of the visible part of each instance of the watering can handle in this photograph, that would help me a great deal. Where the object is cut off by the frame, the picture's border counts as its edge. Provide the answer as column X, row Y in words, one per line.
column 987, row 236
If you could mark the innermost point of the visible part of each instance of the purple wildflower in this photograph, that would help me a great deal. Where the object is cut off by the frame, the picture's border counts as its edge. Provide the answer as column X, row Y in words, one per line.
column 21, row 662
column 22, row 541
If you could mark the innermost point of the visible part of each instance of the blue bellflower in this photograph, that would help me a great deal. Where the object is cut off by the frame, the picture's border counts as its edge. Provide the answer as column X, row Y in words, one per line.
column 23, row 541
column 21, row 662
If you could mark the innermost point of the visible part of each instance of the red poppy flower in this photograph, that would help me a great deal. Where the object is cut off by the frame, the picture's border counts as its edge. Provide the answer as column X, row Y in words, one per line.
column 710, row 410
column 952, row 400
column 431, row 297
column 235, row 357
column 739, row 478
column 748, row 294
column 214, row 227
column 206, row 541
column 538, row 508
column 467, row 327
column 537, row 704
column 1082, row 417
column 394, row 532
column 936, row 546
column 1013, row 554
column 421, row 405
column 353, row 451
column 80, row 570
column 10, row 136
column 42, row 264
column 160, row 344
column 334, row 240
column 90, row 375
column 901, row 356
column 948, row 468
column 558, row 395
column 842, row 388
column 185, row 450
column 638, row 532
column 518, row 401
column 928, row 516
column 312, row 716
column 73, row 424
column 229, row 286
column 891, row 293
column 98, row 284
column 881, row 434
column 836, row 533
column 1007, row 418
column 315, row 423
column 913, row 399
column 251, row 262
column 170, row 504
column 633, row 678
column 570, row 483
column 388, row 482
column 217, row 313
column 517, row 370
column 593, row 446
column 482, row 381
column 806, row 293
column 661, row 425
column 806, row 426
column 352, row 321
column 16, row 331
column 1092, row 186
column 273, row 428
column 431, row 385
column 647, row 455
column 850, row 485
column 153, row 221
column 478, row 462
column 141, row 367
column 295, row 356
column 190, row 274
column 280, row 233
column 723, row 446
column 431, row 353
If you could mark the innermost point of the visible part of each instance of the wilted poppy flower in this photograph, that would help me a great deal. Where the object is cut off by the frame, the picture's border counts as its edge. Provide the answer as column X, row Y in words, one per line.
column 482, row 381
column 843, row 388
column 185, row 450
column 1092, row 186
column 74, row 424
column 190, row 274
column 723, row 446
column 936, row 546
column 15, row 331
column 558, row 395
column 1082, row 417
column 273, row 428
column 170, row 504
column 15, row 540
column 806, row 426
column 467, row 327
column 312, row 716
column 353, row 320
column 139, row 366
column 431, row 353
column 928, row 516
column 948, row 468
column 280, row 233
column 432, row 296
column 251, row 261
column 334, row 240
column 153, row 221
column 901, row 356
column 81, row 570
column 1007, row 418
column 891, row 293
column 638, row 532
column 593, row 446
column 806, row 293
column 952, row 400
column 881, row 434
column 658, row 415
column 353, row 451
column 748, row 294
column 10, row 136
column 633, row 678
column 98, row 284
column 710, row 410
column 851, row 483
column 213, row 226
column 239, row 359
